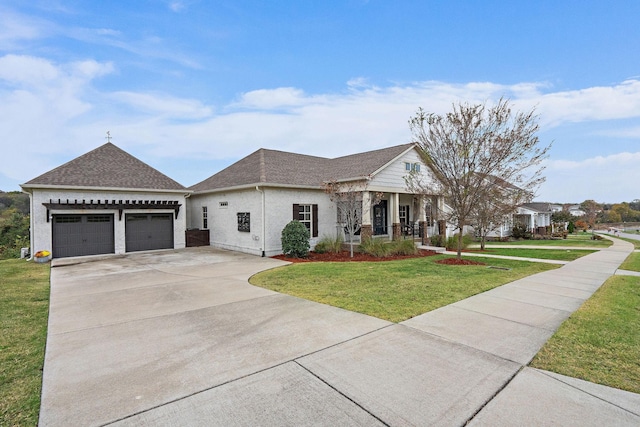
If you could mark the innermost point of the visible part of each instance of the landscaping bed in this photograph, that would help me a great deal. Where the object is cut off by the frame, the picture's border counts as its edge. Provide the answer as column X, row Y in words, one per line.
column 344, row 256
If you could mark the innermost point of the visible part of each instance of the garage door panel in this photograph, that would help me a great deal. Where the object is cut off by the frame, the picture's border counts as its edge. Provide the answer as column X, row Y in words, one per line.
column 148, row 232
column 79, row 235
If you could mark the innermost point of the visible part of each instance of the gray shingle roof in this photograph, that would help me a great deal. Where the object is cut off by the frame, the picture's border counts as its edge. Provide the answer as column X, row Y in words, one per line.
column 278, row 167
column 538, row 206
column 106, row 167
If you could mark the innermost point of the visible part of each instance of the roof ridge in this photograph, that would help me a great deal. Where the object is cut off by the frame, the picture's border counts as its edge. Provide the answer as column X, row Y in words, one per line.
column 263, row 171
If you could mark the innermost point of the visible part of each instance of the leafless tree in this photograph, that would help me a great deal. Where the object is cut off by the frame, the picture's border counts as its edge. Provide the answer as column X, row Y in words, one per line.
column 465, row 146
column 492, row 211
column 591, row 209
column 349, row 203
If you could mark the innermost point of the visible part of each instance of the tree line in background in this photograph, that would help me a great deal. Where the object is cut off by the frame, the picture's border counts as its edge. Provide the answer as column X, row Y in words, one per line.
column 599, row 213
column 14, row 223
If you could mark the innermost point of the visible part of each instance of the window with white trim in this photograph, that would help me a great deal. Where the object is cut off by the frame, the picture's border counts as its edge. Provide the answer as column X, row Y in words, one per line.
column 305, row 216
column 308, row 215
column 205, row 219
column 412, row 167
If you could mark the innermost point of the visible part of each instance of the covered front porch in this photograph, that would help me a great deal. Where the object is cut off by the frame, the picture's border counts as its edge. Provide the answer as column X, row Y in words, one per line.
column 392, row 215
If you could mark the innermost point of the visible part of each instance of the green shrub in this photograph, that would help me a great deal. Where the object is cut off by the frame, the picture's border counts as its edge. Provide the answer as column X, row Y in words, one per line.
column 329, row 244
column 571, row 227
column 403, row 247
column 520, row 232
column 375, row 247
column 452, row 242
column 295, row 240
column 437, row 240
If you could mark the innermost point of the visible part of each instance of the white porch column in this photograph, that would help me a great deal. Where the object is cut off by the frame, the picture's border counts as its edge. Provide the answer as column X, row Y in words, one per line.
column 366, row 208
column 394, row 200
column 421, row 213
column 395, row 216
column 366, row 231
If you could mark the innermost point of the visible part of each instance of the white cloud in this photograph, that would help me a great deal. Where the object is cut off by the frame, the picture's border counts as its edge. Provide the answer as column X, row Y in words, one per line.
column 15, row 29
column 606, row 179
column 597, row 103
column 50, row 110
column 176, row 6
column 163, row 105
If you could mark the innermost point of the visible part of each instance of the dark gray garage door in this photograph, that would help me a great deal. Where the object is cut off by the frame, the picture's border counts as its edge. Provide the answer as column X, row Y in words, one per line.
column 78, row 235
column 149, row 231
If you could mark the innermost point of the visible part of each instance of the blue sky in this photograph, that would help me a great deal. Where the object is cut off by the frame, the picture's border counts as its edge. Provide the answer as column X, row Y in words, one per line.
column 189, row 87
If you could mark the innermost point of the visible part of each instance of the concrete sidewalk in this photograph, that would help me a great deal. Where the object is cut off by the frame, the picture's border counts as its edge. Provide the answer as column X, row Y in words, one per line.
column 148, row 341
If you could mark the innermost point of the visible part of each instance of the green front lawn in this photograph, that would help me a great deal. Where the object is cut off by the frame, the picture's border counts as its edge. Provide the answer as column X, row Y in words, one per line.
column 555, row 254
column 578, row 239
column 632, row 263
column 393, row 290
column 24, row 307
column 601, row 341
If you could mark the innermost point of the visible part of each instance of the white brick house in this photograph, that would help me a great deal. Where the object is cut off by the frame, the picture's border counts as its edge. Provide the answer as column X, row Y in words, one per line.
column 107, row 201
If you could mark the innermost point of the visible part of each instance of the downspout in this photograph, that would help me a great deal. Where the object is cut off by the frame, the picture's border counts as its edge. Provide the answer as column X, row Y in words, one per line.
column 264, row 233
column 31, row 216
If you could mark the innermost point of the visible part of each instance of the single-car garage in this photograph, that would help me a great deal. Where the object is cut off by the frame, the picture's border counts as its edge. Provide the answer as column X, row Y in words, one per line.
column 146, row 232
column 78, row 235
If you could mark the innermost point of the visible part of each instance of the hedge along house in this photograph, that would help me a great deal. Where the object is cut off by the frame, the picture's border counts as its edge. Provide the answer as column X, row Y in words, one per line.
column 246, row 206
column 105, row 202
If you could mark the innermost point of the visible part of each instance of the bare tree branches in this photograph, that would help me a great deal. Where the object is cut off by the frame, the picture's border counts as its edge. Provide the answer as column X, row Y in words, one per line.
column 480, row 156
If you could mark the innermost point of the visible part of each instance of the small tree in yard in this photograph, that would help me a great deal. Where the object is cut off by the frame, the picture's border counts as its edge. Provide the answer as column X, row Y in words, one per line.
column 295, row 240
column 561, row 218
column 349, row 204
column 491, row 212
column 471, row 143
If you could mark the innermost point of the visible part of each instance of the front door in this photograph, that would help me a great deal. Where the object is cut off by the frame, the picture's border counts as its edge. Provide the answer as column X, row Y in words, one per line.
column 380, row 218
column 404, row 219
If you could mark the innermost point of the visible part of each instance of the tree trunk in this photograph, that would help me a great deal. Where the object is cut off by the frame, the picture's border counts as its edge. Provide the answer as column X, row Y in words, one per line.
column 460, row 241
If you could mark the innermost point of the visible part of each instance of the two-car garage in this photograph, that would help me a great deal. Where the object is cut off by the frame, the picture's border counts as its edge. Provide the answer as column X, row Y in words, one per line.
column 94, row 234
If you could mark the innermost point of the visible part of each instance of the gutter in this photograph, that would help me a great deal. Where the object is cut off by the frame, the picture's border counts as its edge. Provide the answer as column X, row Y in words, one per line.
column 31, row 216
column 263, row 220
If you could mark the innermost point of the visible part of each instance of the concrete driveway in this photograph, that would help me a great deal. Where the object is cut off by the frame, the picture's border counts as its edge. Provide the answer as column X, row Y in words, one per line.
column 181, row 338
column 134, row 333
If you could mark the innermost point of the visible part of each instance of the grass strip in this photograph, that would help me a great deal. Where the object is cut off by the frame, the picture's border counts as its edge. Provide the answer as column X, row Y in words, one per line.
column 554, row 254
column 580, row 239
column 24, row 308
column 393, row 290
column 632, row 263
column 601, row 341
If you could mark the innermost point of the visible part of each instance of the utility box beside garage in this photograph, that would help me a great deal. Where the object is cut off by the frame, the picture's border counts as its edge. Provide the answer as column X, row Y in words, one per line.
column 197, row 237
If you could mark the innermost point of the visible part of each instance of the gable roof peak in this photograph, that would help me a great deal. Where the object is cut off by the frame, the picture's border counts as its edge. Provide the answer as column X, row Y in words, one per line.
column 267, row 166
column 107, row 166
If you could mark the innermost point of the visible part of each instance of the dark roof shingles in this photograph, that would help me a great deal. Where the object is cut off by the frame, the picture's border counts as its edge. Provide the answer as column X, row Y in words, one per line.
column 106, row 167
column 279, row 167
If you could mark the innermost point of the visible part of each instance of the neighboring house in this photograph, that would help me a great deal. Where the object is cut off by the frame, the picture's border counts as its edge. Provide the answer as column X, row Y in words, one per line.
column 535, row 216
column 576, row 211
column 105, row 202
column 246, row 205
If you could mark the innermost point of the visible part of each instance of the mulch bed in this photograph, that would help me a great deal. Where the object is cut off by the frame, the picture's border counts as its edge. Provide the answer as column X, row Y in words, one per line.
column 357, row 257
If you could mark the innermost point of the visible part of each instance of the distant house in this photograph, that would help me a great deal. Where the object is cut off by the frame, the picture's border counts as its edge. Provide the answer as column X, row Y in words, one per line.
column 107, row 201
column 536, row 216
